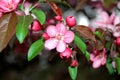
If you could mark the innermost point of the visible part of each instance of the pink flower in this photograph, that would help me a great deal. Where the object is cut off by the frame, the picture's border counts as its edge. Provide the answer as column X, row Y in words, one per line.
column 8, row 5
column 59, row 36
column 106, row 21
column 98, row 58
column 66, row 53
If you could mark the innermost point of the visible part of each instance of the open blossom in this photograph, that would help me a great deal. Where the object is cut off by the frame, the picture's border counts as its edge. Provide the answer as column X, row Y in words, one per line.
column 8, row 5
column 59, row 36
column 98, row 58
column 107, row 21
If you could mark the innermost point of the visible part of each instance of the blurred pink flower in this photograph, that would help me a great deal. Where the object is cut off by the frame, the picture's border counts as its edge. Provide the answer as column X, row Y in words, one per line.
column 8, row 5
column 66, row 53
column 98, row 58
column 106, row 21
column 59, row 36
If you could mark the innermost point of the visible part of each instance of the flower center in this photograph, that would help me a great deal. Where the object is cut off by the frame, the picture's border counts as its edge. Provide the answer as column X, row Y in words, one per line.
column 59, row 36
column 10, row 6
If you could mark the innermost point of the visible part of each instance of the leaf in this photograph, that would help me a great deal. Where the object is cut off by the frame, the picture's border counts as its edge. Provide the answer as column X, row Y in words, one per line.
column 98, row 34
column 72, row 72
column 117, row 61
column 109, row 66
column 99, row 45
column 7, row 28
column 55, row 8
column 85, row 32
column 35, row 49
column 80, row 44
column 40, row 15
column 87, row 55
column 22, row 27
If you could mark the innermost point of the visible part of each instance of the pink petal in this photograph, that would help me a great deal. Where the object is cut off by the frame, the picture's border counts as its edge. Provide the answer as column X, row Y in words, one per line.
column 69, row 37
column 51, row 31
column 103, row 61
column 92, row 56
column 61, row 28
column 61, row 46
column 117, row 20
column 105, row 17
column 99, row 24
column 51, row 43
column 112, row 17
column 96, row 64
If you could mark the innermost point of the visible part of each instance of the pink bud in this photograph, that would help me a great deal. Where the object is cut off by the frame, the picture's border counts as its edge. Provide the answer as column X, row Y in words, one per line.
column 45, row 36
column 67, row 53
column 74, row 63
column 36, row 26
column 59, row 18
column 118, row 41
column 71, row 21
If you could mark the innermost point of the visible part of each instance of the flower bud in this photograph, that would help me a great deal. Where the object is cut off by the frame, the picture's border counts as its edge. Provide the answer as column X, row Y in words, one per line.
column 118, row 41
column 67, row 53
column 45, row 36
column 71, row 21
column 36, row 26
column 74, row 63
column 59, row 18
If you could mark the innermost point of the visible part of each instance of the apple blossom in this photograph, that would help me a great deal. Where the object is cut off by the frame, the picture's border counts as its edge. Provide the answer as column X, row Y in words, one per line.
column 59, row 36
column 66, row 53
column 36, row 26
column 71, row 21
column 8, row 5
column 98, row 58
column 107, row 21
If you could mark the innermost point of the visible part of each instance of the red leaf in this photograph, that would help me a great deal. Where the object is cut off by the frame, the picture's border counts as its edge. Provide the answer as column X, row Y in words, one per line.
column 7, row 28
column 55, row 8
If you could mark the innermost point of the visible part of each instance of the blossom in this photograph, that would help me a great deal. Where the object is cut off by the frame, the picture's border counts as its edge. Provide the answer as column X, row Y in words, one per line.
column 66, row 53
column 98, row 58
column 106, row 21
column 59, row 36
column 8, row 5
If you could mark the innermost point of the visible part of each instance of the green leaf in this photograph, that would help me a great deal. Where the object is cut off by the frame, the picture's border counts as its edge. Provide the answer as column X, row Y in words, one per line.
column 109, row 66
column 98, row 34
column 72, row 72
column 40, row 15
column 22, row 27
column 35, row 49
column 87, row 55
column 7, row 28
column 80, row 44
column 117, row 61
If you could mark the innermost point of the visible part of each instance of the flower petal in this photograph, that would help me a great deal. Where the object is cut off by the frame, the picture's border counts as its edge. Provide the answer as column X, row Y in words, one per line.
column 105, row 17
column 69, row 37
column 112, row 18
column 51, row 43
column 117, row 20
column 61, row 28
column 61, row 46
column 51, row 31
column 96, row 64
